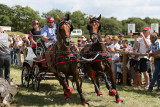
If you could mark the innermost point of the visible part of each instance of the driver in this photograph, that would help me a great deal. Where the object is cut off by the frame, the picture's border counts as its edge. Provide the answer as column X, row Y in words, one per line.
column 48, row 34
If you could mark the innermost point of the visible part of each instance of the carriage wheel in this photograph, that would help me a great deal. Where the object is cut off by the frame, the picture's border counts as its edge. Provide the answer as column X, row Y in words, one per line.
column 36, row 78
column 25, row 79
column 74, row 83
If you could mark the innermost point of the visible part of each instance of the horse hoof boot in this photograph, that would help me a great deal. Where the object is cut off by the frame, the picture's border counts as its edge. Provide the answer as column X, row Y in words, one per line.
column 85, row 104
column 66, row 97
column 68, row 91
column 119, row 100
column 99, row 93
column 113, row 93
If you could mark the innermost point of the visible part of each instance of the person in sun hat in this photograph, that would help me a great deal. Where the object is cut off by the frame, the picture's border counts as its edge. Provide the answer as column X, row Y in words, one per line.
column 143, row 46
column 115, row 57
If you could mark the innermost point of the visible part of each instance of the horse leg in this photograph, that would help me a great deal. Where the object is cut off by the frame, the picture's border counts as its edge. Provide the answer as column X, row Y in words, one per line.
column 66, row 88
column 112, row 92
column 111, row 75
column 76, row 78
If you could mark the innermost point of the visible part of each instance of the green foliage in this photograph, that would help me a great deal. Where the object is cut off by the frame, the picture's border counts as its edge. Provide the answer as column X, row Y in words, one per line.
column 17, row 33
column 23, row 17
column 20, row 19
column 5, row 20
column 111, row 26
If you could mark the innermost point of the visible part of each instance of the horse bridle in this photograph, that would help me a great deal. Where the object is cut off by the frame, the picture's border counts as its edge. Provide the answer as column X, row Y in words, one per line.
column 91, row 33
column 66, row 36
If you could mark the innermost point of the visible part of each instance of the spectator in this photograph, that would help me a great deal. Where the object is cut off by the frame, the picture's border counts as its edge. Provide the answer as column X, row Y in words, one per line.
column 79, row 42
column 134, row 67
column 115, row 57
column 5, row 57
column 14, row 58
column 74, row 47
column 26, row 43
column 19, row 44
column 89, row 41
column 121, row 38
column 108, row 40
column 143, row 45
column 155, row 48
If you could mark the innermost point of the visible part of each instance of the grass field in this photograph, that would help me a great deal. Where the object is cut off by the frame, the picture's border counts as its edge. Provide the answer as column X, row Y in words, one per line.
column 51, row 95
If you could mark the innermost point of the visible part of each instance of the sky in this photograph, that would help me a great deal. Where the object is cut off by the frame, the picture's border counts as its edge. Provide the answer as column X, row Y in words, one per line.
column 121, row 9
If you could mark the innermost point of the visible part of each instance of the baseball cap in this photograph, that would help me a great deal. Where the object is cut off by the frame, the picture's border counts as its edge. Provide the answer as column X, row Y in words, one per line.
column 147, row 28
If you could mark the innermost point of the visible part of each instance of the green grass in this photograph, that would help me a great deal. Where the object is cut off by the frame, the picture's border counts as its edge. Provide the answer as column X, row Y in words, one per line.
column 51, row 95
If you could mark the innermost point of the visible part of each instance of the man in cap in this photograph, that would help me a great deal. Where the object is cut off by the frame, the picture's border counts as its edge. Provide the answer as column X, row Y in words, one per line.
column 143, row 45
column 48, row 34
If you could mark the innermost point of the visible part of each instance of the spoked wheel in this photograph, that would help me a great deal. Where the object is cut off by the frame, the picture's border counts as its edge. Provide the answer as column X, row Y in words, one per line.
column 36, row 78
column 74, row 83
column 25, row 78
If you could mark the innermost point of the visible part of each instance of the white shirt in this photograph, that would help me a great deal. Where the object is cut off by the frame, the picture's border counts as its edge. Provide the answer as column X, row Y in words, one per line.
column 142, row 47
column 115, row 56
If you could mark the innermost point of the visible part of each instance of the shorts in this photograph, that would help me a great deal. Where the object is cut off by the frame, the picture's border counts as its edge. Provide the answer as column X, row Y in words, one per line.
column 135, row 64
column 144, row 64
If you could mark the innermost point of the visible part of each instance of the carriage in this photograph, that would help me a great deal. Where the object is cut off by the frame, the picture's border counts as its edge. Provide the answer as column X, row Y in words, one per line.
column 35, row 70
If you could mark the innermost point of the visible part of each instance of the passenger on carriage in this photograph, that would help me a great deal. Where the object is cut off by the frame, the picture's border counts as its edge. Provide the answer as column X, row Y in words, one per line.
column 35, row 37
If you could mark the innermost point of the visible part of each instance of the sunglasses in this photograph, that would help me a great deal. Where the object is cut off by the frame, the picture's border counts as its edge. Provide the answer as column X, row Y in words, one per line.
column 50, row 22
column 35, row 24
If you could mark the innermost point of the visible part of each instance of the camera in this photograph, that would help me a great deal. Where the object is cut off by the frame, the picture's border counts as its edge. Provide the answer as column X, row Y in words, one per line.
column 136, row 33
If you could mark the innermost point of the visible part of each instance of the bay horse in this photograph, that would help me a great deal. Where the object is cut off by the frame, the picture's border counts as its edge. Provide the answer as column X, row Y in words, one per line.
column 64, row 62
column 102, row 65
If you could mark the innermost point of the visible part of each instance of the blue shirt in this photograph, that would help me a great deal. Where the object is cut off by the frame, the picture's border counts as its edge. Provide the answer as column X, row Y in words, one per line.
column 155, row 46
column 49, row 32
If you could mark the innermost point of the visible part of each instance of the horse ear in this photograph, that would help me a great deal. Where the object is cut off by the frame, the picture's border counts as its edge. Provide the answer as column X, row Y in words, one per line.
column 90, row 17
column 58, row 18
column 71, row 28
column 88, row 27
column 99, row 17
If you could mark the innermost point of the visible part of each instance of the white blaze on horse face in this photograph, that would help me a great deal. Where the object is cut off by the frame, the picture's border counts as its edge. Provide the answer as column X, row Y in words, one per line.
column 67, row 31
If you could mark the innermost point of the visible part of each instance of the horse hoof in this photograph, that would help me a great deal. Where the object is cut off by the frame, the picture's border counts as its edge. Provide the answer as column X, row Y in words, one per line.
column 113, row 93
column 85, row 104
column 119, row 101
column 68, row 91
column 99, row 93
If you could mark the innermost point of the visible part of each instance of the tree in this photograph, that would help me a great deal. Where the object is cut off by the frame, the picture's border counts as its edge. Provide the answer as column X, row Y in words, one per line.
column 79, row 21
column 5, row 20
column 111, row 26
column 23, row 17
column 54, row 13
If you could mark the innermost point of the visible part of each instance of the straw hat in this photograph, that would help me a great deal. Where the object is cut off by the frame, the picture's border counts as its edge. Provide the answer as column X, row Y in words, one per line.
column 115, row 38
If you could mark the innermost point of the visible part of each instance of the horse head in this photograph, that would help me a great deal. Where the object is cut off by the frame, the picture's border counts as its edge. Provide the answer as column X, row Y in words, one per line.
column 64, row 30
column 94, row 28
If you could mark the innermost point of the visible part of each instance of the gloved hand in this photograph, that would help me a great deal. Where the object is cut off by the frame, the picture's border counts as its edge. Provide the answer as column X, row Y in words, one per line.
column 50, row 38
